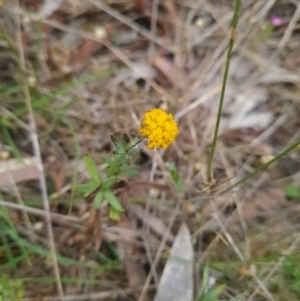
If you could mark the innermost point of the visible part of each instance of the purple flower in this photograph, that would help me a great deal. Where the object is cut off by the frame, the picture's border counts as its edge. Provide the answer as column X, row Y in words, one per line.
column 276, row 21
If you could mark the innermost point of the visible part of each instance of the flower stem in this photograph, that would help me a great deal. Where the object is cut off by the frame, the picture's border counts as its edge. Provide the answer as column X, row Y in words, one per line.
column 228, row 59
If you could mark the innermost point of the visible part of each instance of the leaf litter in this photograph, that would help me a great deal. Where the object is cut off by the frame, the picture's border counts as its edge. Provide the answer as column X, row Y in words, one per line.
column 188, row 43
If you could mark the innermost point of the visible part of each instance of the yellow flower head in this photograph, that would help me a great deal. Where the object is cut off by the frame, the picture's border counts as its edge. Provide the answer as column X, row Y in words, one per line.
column 159, row 127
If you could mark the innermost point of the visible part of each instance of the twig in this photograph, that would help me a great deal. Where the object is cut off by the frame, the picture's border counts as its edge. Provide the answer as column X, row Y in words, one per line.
column 38, row 212
column 132, row 25
column 37, row 154
column 290, row 28
column 93, row 296
column 197, row 102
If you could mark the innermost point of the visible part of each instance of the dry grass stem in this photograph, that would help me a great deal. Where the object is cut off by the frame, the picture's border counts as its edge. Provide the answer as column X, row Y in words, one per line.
column 37, row 154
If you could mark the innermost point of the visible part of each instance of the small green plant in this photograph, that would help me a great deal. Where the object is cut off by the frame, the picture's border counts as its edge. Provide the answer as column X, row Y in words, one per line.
column 207, row 294
column 291, row 272
column 160, row 129
column 176, row 177
column 11, row 289
column 117, row 166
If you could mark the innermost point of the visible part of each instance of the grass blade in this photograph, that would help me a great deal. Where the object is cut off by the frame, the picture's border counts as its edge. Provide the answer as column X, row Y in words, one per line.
column 264, row 166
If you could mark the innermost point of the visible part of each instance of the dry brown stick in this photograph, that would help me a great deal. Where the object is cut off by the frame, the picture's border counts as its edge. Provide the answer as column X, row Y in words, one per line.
column 163, row 43
column 39, row 212
column 92, row 296
column 290, row 28
column 37, row 153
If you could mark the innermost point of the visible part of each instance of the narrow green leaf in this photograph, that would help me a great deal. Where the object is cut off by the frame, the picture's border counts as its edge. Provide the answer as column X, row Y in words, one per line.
column 175, row 175
column 107, row 160
column 128, row 170
column 92, row 169
column 110, row 181
column 85, row 188
column 98, row 199
column 10, row 90
column 205, row 279
column 113, row 200
column 133, row 151
column 114, row 214
column 264, row 166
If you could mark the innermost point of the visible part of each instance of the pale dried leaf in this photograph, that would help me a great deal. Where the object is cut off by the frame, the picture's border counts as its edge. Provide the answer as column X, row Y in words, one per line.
column 56, row 170
column 178, row 78
column 153, row 222
column 48, row 8
column 176, row 282
column 129, row 76
column 261, row 203
column 240, row 68
column 280, row 75
column 242, row 111
column 15, row 171
column 87, row 49
column 134, row 268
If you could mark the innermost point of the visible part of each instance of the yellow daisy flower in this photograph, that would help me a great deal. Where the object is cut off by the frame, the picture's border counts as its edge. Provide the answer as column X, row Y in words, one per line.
column 159, row 127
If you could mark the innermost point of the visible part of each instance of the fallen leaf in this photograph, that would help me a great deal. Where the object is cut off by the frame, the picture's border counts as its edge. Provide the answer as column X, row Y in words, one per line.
column 87, row 49
column 242, row 111
column 261, row 203
column 178, row 78
column 48, row 8
column 56, row 170
column 153, row 222
column 144, row 6
column 170, row 8
column 77, row 238
column 176, row 282
column 129, row 76
column 134, row 268
column 17, row 171
column 256, row 206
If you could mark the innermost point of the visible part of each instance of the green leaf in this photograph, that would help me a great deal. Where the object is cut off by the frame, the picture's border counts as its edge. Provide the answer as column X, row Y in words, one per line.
column 292, row 192
column 175, row 175
column 98, row 199
column 85, row 188
column 114, row 214
column 133, row 151
column 92, row 169
column 113, row 200
column 266, row 33
column 110, row 181
column 128, row 170
column 213, row 294
column 108, row 161
column 205, row 279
